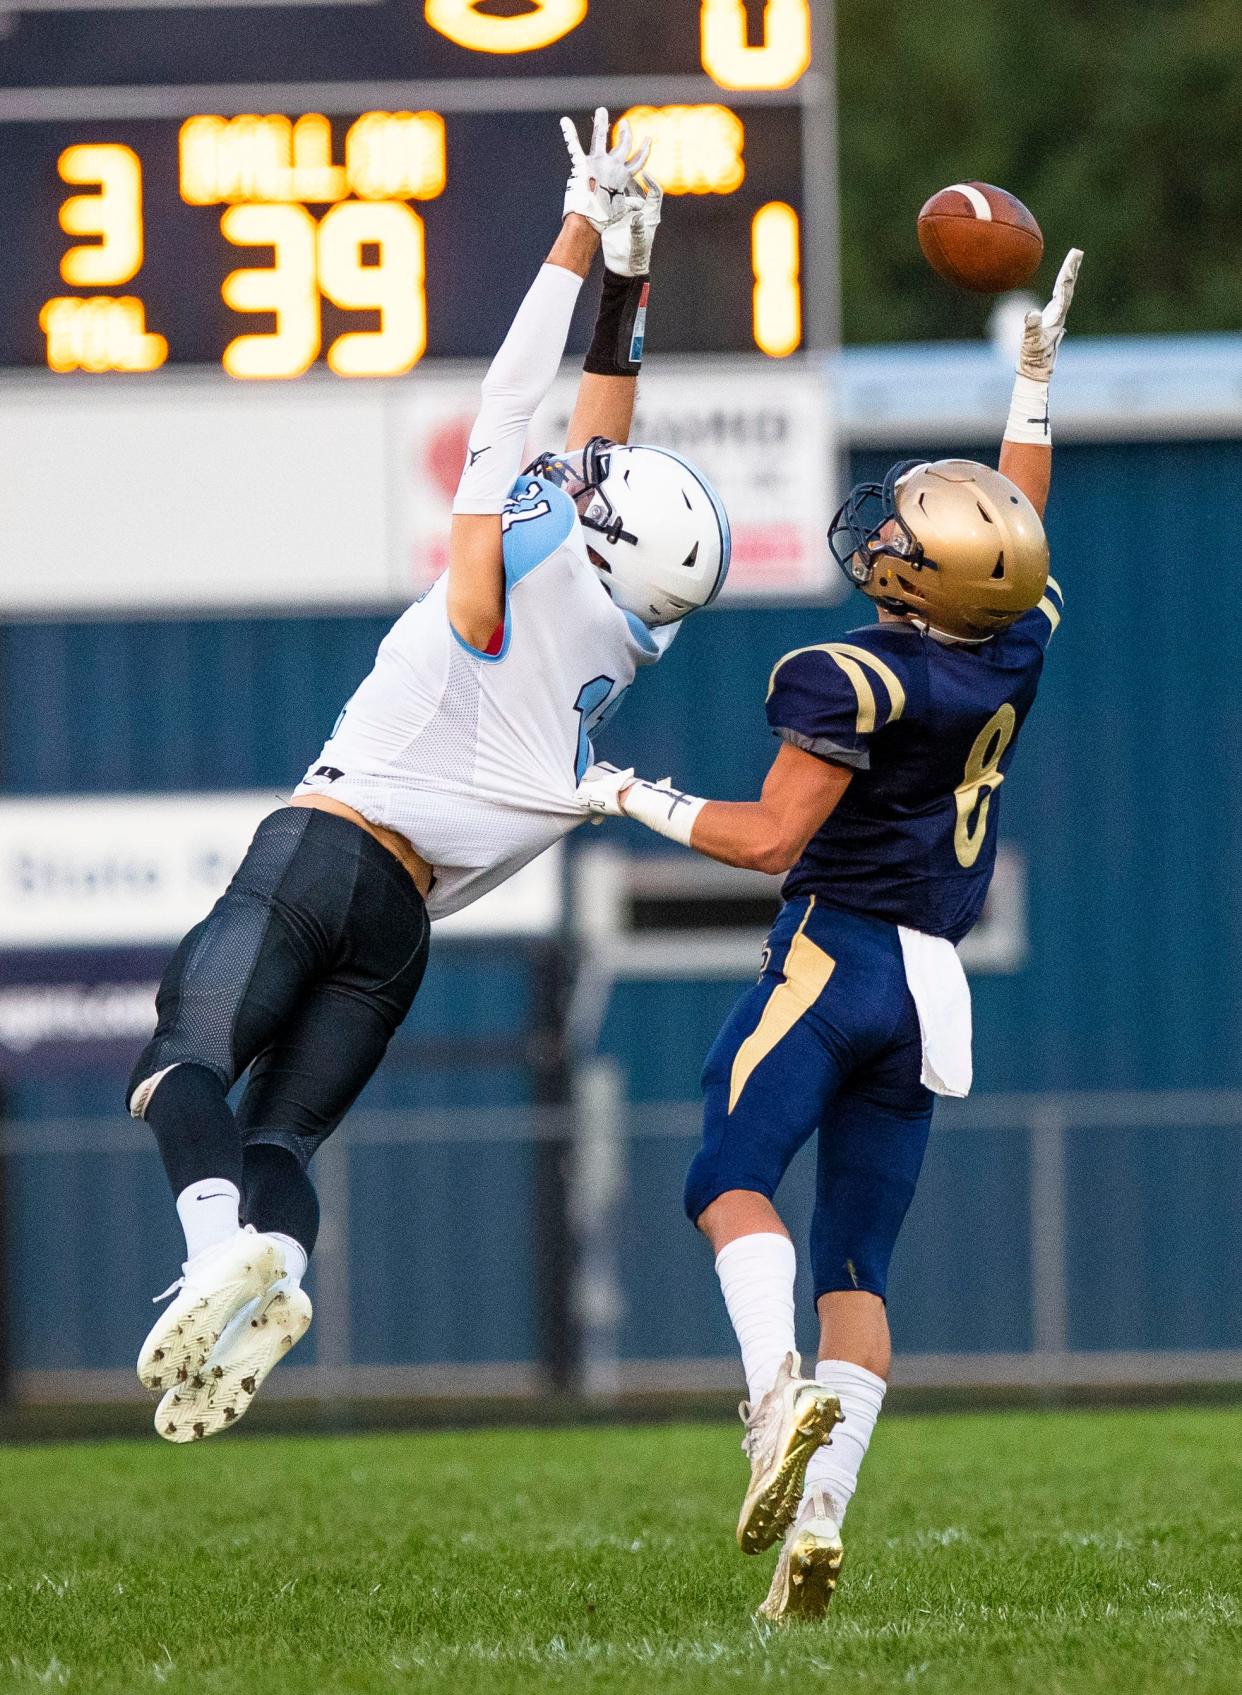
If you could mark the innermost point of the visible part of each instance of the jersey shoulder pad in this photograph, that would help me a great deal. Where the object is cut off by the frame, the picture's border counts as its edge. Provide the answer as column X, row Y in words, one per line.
column 538, row 517
column 831, row 698
column 1041, row 621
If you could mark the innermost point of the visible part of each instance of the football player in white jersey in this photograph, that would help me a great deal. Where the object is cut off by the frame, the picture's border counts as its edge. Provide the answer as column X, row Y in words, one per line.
column 454, row 763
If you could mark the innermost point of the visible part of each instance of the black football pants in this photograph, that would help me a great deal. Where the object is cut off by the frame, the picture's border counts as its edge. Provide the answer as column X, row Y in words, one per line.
column 301, row 972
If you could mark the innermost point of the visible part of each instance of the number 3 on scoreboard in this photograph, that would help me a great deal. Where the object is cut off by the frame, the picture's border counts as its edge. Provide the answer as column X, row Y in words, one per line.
column 286, row 288
column 308, row 262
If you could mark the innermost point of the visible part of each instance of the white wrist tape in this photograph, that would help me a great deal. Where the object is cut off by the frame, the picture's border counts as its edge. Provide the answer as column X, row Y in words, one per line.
column 664, row 809
column 1028, row 419
column 520, row 376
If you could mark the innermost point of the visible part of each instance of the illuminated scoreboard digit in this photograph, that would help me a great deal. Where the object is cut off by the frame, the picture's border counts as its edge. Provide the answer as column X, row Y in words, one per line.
column 94, row 332
column 361, row 237
column 366, row 251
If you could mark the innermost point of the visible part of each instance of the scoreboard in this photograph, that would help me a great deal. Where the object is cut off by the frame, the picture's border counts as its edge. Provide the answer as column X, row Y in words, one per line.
column 387, row 177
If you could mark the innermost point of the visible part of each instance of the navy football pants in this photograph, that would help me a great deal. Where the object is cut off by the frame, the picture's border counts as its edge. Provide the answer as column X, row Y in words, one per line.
column 828, row 1041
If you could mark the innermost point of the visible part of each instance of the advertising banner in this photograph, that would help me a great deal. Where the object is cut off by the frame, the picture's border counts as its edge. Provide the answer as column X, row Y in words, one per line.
column 760, row 431
column 117, row 869
column 208, row 496
column 197, row 495
column 124, row 870
column 76, row 1009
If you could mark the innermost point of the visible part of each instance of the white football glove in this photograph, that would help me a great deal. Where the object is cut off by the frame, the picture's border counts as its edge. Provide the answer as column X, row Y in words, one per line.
column 1044, row 330
column 601, row 187
column 627, row 243
column 599, row 792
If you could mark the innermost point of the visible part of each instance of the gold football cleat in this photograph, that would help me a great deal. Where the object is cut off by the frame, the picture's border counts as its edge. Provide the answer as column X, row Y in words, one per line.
column 806, row 1574
column 783, row 1430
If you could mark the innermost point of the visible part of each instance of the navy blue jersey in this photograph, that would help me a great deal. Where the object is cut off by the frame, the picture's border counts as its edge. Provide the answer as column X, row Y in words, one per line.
column 929, row 729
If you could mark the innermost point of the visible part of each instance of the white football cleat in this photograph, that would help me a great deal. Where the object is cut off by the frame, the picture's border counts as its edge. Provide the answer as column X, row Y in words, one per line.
column 215, row 1286
column 783, row 1430
column 257, row 1339
column 806, row 1574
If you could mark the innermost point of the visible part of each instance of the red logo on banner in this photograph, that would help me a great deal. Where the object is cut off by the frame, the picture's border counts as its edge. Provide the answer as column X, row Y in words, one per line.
column 446, row 454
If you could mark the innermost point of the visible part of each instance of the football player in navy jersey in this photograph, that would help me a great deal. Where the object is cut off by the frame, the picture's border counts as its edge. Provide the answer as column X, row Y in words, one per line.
column 882, row 806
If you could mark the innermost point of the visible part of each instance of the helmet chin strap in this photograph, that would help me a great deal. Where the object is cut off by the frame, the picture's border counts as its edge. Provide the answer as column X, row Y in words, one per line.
column 595, row 465
column 614, row 531
column 905, row 615
column 946, row 640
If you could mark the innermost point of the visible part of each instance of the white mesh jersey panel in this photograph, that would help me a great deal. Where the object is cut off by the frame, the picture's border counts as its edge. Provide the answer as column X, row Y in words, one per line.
column 473, row 759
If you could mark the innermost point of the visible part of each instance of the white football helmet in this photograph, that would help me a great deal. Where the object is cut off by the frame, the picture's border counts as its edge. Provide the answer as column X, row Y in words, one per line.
column 657, row 533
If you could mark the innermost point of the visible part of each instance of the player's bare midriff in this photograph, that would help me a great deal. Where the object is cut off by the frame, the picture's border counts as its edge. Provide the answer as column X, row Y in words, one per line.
column 397, row 845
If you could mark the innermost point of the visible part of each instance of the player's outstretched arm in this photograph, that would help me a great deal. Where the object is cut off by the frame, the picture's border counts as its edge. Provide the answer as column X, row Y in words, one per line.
column 606, row 393
column 1026, row 451
column 768, row 834
column 520, row 376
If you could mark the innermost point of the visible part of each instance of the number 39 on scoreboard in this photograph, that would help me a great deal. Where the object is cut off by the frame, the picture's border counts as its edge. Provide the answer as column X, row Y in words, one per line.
column 314, row 261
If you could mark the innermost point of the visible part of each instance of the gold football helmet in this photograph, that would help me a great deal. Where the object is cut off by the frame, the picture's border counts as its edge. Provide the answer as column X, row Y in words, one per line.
column 953, row 542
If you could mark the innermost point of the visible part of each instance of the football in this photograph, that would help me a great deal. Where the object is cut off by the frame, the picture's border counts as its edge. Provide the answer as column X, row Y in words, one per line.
column 980, row 237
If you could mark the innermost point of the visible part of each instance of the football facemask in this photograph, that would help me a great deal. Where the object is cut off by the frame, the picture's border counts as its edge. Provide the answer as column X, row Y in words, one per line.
column 868, row 526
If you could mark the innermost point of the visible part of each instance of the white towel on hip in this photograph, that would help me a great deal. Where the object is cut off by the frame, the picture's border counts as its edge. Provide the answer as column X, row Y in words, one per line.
column 942, row 997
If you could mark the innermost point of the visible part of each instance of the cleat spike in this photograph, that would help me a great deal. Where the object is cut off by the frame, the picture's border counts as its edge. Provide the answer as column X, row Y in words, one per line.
column 783, row 1430
column 249, row 1346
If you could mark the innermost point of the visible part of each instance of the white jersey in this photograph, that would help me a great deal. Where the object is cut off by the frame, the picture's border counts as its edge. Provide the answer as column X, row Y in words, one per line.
column 472, row 757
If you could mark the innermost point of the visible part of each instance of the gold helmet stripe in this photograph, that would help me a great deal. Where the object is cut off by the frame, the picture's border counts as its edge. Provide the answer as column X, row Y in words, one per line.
column 851, row 660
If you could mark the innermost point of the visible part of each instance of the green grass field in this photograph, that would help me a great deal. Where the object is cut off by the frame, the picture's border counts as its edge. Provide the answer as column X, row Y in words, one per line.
column 1012, row 1552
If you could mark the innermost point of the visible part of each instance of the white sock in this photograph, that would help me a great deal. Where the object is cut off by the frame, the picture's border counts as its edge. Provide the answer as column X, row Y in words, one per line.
column 209, row 1213
column 757, row 1278
column 295, row 1259
column 834, row 1467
